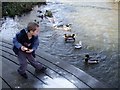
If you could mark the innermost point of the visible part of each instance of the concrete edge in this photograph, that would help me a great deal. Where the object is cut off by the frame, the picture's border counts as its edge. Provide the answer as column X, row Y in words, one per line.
column 78, row 73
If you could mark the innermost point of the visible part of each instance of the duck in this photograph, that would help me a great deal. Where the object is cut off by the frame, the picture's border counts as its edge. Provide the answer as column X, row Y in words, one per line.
column 79, row 45
column 39, row 11
column 69, row 38
column 48, row 13
column 89, row 60
column 40, row 16
column 66, row 27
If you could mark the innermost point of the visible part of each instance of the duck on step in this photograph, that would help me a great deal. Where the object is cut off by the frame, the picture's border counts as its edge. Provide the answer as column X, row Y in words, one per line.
column 90, row 60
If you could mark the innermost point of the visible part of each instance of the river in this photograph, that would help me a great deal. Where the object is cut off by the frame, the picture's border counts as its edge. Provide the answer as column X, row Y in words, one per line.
column 95, row 24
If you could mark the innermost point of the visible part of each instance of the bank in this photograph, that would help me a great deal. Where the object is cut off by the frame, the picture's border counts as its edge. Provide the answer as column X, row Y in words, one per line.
column 18, row 8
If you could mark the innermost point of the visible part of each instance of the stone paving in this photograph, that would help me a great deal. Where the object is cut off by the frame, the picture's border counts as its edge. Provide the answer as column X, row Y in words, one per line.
column 59, row 74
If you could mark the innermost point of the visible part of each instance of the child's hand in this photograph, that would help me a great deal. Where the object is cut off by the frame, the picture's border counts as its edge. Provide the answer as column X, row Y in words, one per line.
column 29, row 51
column 23, row 48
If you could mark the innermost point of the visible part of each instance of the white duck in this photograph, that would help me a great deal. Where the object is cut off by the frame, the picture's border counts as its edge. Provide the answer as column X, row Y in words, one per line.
column 79, row 45
column 67, row 27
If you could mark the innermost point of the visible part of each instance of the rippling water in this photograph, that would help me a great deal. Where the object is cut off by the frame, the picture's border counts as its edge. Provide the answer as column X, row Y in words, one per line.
column 94, row 23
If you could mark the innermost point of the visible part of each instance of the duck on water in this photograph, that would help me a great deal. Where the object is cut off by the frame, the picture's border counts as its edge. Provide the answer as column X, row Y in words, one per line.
column 90, row 60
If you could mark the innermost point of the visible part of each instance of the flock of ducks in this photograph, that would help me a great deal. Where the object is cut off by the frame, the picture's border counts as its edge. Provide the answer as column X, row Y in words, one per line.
column 68, row 37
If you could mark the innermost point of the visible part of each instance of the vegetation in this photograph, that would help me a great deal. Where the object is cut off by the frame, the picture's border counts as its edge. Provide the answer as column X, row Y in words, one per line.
column 17, row 8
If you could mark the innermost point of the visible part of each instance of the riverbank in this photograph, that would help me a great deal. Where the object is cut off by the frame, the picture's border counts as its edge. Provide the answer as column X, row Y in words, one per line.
column 18, row 8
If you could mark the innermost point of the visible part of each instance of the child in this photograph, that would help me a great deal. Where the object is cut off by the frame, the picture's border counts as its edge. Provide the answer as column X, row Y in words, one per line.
column 25, row 43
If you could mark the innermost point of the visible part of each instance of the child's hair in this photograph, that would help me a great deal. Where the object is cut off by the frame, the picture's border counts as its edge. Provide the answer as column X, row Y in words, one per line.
column 32, row 26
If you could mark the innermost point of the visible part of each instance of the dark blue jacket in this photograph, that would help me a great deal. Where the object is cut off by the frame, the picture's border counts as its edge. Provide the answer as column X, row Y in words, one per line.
column 21, row 39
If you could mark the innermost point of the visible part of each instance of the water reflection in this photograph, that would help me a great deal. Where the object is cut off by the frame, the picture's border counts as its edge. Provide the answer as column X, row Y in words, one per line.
column 58, row 83
column 9, row 28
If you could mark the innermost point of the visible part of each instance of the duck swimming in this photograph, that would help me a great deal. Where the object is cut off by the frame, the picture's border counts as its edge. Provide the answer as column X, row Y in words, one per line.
column 69, row 38
column 66, row 27
column 48, row 13
column 79, row 45
column 89, row 60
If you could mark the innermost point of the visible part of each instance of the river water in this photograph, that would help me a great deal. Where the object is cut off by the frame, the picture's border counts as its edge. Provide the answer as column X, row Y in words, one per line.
column 95, row 24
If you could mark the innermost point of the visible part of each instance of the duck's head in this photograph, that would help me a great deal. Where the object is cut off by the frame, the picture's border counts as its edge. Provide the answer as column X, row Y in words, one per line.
column 87, row 56
column 35, row 20
column 68, row 25
column 65, row 35
column 73, row 35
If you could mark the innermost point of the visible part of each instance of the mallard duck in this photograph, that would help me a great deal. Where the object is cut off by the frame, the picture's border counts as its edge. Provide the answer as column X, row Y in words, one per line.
column 89, row 60
column 79, row 45
column 48, row 13
column 66, row 27
column 69, row 38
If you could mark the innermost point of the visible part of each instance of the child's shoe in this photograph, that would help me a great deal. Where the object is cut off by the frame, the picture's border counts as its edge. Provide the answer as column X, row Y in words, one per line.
column 24, row 75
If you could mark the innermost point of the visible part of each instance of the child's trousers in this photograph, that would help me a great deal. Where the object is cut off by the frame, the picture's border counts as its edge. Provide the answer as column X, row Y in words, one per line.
column 22, row 57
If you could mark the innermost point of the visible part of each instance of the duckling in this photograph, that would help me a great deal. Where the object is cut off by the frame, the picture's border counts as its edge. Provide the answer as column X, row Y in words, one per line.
column 69, row 38
column 79, row 45
column 89, row 60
